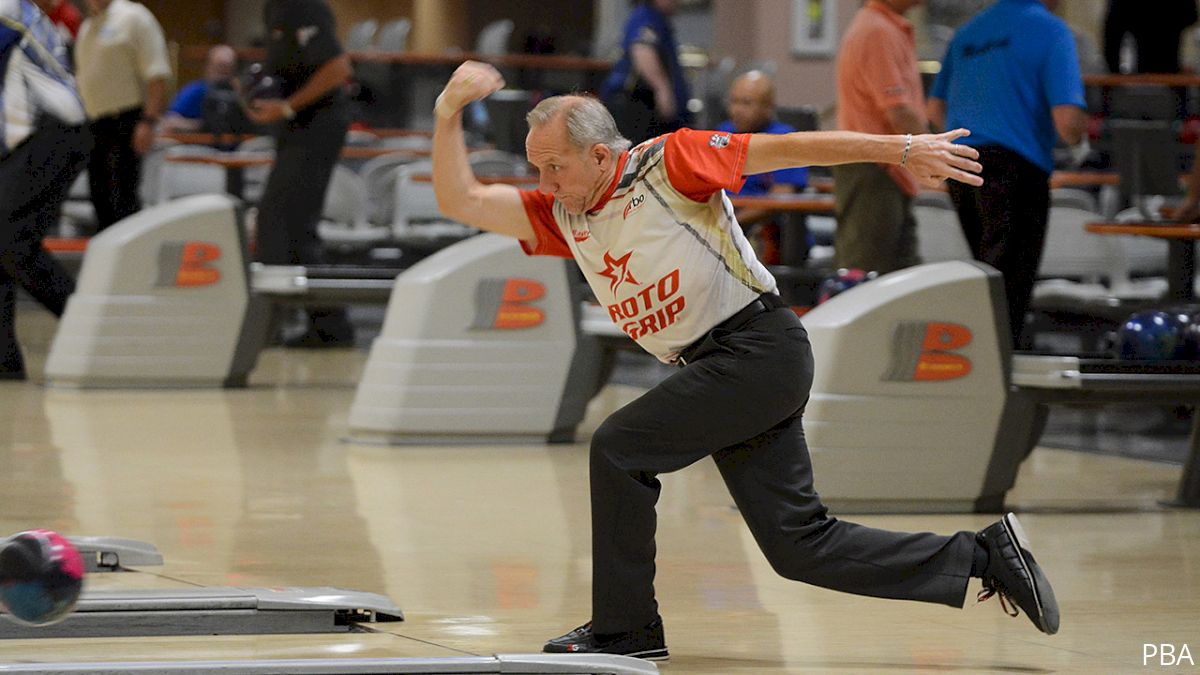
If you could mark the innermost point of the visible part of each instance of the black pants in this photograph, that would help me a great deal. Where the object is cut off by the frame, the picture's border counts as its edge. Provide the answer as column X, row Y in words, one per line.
column 294, row 197
column 114, row 169
column 34, row 181
column 1004, row 222
column 740, row 401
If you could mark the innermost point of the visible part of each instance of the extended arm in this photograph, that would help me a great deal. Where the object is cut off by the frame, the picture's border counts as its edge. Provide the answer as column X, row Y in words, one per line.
column 932, row 158
column 496, row 208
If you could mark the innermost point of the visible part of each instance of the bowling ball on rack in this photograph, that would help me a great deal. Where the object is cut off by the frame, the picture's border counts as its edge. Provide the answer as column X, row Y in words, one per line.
column 1150, row 336
column 41, row 577
column 1189, row 347
column 841, row 281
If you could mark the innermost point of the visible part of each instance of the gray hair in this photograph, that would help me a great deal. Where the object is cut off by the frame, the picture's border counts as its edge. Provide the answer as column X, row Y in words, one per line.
column 588, row 121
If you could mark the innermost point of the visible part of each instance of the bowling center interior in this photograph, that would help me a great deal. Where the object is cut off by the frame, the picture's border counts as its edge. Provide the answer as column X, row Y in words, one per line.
column 214, row 490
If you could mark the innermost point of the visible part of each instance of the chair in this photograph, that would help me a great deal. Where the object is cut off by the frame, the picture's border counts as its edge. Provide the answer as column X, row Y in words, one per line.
column 177, row 179
column 414, row 142
column 344, row 220
column 498, row 163
column 254, row 178
column 1078, row 265
column 361, row 35
column 1074, row 198
column 418, row 225
column 393, row 38
column 493, row 38
column 939, row 234
column 379, row 177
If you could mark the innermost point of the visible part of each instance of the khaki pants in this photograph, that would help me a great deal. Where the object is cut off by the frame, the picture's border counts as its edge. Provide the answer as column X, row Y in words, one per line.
column 876, row 230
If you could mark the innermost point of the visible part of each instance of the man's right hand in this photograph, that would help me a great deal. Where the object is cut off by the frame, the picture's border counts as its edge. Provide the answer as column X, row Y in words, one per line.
column 471, row 81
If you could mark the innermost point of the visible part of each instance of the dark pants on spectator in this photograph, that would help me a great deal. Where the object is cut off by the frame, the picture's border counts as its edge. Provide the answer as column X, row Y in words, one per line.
column 1004, row 222
column 294, row 196
column 34, row 180
column 876, row 230
column 740, row 400
column 114, row 169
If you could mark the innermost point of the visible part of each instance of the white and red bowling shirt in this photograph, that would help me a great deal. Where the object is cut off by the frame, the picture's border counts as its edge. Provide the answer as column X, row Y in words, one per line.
column 661, row 250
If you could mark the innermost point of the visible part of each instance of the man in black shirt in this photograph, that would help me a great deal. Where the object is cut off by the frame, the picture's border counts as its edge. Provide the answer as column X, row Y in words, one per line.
column 304, row 55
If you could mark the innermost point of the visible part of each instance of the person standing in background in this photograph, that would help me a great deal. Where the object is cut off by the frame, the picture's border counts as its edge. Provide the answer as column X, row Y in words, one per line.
column 122, row 68
column 304, row 55
column 1011, row 73
column 646, row 90
column 43, row 147
column 878, row 91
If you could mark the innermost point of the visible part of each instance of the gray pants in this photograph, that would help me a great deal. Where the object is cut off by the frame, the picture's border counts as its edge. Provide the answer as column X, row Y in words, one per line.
column 740, row 401
column 876, row 230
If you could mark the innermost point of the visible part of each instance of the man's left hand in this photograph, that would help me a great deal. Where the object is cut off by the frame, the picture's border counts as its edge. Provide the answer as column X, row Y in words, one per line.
column 143, row 137
column 934, row 158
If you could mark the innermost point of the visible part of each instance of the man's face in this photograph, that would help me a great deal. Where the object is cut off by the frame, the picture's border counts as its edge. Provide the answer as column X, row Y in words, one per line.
column 574, row 177
column 750, row 106
column 221, row 66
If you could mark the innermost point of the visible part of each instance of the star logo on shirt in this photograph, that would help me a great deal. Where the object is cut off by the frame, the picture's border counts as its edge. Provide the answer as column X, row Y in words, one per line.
column 616, row 270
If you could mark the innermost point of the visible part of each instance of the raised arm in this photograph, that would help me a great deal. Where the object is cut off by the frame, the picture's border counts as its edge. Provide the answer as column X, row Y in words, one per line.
column 496, row 208
column 932, row 158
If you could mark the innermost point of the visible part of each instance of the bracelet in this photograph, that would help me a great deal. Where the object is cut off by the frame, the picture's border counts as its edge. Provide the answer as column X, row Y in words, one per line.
column 289, row 113
column 907, row 147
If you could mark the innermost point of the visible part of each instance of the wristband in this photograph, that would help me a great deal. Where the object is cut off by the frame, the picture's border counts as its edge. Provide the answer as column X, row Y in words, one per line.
column 441, row 108
column 289, row 113
column 907, row 147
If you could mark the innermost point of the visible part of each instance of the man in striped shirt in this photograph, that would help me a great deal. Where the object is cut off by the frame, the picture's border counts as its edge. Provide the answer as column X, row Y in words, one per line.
column 43, row 147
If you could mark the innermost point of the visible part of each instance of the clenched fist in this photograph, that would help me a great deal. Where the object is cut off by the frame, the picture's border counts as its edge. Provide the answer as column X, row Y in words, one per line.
column 471, row 81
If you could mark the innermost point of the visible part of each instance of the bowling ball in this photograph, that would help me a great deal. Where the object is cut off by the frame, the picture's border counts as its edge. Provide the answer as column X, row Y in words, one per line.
column 1150, row 336
column 842, row 280
column 41, row 577
column 1189, row 347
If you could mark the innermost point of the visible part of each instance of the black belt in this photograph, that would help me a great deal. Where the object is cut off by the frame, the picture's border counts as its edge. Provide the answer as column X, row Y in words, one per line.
column 757, row 306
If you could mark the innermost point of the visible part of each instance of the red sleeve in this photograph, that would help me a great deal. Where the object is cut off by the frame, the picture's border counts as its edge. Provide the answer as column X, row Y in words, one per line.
column 548, row 238
column 701, row 162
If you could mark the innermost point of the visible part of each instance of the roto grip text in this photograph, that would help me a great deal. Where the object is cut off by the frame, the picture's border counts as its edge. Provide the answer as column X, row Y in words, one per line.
column 651, row 309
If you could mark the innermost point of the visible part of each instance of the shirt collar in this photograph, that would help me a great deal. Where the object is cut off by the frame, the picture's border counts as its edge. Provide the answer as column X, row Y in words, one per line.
column 612, row 187
column 891, row 15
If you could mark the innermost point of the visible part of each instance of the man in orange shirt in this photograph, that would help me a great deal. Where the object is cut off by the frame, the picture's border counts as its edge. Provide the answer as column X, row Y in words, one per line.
column 878, row 91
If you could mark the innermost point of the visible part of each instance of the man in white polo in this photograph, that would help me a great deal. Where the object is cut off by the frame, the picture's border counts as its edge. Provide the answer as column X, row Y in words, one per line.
column 122, row 68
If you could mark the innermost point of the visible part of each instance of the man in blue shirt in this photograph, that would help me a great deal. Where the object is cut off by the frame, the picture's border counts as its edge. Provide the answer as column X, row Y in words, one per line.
column 751, row 110
column 186, row 112
column 1011, row 74
column 646, row 90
